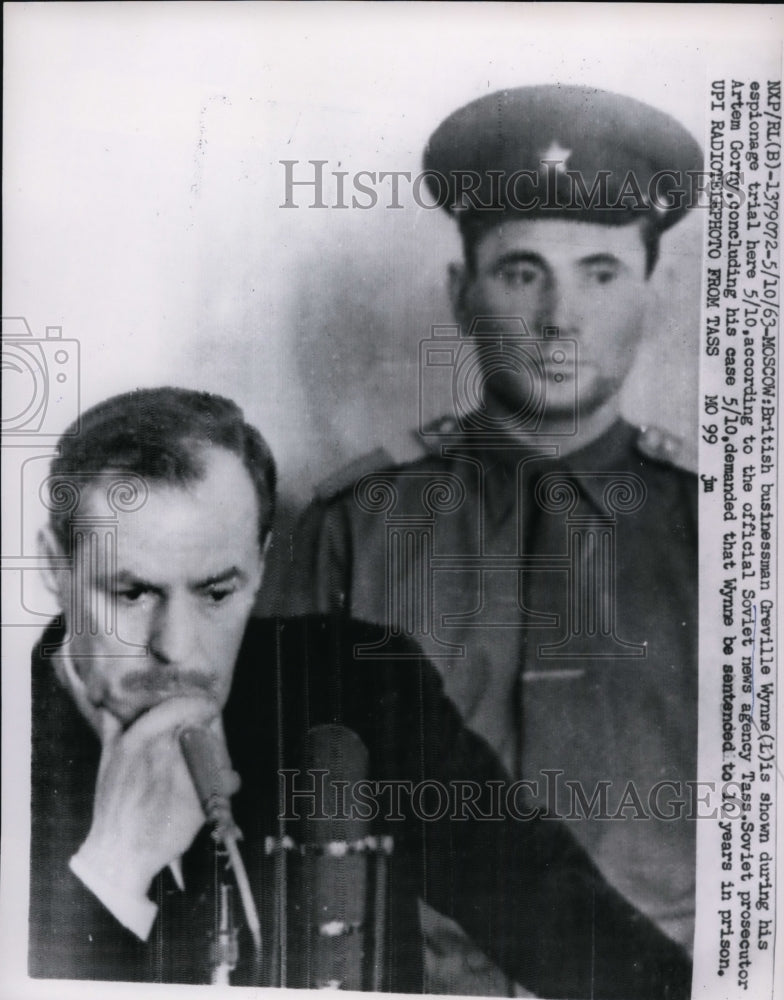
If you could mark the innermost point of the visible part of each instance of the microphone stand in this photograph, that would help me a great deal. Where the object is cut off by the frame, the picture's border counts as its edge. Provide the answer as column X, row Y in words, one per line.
column 246, row 896
column 225, row 949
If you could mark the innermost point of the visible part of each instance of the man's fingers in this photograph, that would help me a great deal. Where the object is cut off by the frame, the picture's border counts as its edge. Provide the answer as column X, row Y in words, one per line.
column 146, row 806
column 110, row 733
column 110, row 726
column 172, row 715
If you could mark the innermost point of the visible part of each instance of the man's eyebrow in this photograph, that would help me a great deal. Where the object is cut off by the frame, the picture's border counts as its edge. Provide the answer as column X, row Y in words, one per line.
column 232, row 573
column 601, row 258
column 520, row 257
column 127, row 578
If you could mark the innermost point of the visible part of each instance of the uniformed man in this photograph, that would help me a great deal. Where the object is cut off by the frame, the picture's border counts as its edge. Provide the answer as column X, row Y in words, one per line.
column 542, row 550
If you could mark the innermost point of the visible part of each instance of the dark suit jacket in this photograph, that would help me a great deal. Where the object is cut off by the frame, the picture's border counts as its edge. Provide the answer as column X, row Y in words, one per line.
column 525, row 891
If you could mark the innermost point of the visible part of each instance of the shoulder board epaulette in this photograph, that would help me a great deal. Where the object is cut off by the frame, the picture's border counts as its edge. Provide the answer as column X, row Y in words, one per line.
column 439, row 427
column 406, row 448
column 662, row 446
column 345, row 477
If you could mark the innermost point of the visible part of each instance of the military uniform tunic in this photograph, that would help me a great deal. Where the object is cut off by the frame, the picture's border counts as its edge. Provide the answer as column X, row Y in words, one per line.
column 558, row 598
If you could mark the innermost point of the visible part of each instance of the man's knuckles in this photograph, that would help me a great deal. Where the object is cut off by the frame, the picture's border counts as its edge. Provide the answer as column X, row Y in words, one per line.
column 170, row 716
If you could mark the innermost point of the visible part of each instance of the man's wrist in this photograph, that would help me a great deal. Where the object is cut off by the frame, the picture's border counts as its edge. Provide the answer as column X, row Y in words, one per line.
column 123, row 894
column 116, row 864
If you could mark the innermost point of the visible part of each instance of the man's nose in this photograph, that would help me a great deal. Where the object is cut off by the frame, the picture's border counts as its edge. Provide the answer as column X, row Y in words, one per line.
column 172, row 633
column 561, row 307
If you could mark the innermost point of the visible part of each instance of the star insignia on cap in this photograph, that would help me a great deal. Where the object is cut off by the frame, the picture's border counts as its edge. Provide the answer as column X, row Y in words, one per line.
column 555, row 151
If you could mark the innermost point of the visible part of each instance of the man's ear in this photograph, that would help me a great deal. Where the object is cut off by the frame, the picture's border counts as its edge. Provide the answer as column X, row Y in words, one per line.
column 56, row 577
column 458, row 288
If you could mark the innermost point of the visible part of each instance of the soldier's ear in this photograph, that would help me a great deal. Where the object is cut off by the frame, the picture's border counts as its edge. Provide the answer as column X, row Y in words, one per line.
column 55, row 574
column 458, row 288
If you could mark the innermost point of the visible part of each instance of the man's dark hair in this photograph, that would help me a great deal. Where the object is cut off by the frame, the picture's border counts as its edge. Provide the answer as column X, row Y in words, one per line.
column 473, row 227
column 159, row 435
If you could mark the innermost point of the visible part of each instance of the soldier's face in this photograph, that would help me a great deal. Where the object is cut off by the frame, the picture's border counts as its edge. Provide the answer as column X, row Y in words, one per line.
column 584, row 278
column 187, row 569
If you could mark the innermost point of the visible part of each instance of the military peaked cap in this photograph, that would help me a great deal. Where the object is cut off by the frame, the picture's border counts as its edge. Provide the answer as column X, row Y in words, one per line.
column 554, row 150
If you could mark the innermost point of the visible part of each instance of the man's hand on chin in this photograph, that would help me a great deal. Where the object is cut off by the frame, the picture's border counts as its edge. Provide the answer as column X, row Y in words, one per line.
column 146, row 812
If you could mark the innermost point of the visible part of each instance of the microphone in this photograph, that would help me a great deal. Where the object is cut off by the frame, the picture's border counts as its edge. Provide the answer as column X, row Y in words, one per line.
column 215, row 782
column 213, row 778
column 339, row 901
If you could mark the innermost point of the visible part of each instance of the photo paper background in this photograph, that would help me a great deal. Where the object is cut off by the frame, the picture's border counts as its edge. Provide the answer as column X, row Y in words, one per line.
column 143, row 216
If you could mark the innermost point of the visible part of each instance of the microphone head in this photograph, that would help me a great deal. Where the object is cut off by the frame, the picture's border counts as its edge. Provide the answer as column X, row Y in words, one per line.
column 339, row 751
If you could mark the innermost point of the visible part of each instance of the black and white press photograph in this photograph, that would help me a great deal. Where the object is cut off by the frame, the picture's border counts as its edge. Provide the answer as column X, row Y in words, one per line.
column 389, row 448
